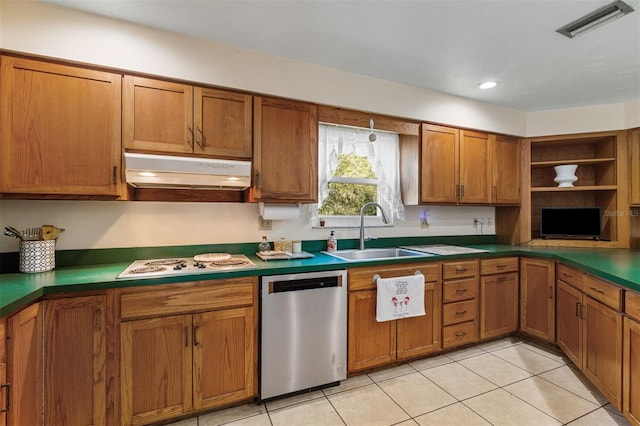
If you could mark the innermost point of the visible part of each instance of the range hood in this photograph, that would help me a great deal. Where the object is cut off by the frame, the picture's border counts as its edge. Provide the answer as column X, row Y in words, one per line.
column 167, row 171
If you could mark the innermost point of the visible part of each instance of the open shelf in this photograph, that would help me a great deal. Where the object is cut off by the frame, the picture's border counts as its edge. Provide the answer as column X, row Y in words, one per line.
column 583, row 162
column 574, row 188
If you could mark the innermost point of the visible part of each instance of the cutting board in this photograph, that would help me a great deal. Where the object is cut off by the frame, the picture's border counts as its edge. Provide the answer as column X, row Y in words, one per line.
column 281, row 255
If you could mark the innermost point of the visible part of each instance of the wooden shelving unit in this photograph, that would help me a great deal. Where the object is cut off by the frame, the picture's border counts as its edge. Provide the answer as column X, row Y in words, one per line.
column 602, row 182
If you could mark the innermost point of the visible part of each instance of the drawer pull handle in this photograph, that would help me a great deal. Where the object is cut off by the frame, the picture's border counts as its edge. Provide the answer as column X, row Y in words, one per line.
column 461, row 333
column 501, row 266
column 461, row 312
column 597, row 290
column 567, row 275
column 501, row 279
column 462, row 290
column 460, row 269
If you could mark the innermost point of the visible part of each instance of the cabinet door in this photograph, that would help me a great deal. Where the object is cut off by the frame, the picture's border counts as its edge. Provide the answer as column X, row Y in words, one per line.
column 420, row 335
column 603, row 350
column 156, row 369
column 222, row 123
column 499, row 310
column 285, row 159
column 634, row 147
column 506, row 171
column 631, row 369
column 439, row 164
column 24, row 365
column 75, row 360
column 3, row 373
column 475, row 168
column 371, row 343
column 224, row 357
column 60, row 129
column 569, row 322
column 537, row 298
column 157, row 115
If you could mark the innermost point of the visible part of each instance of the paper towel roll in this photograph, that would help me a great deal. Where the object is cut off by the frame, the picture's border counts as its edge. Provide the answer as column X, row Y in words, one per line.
column 279, row 211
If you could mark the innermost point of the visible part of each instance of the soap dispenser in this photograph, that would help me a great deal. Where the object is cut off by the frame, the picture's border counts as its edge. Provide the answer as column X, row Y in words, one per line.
column 332, row 242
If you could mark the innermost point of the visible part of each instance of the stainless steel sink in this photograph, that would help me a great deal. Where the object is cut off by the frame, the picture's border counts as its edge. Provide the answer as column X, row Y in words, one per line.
column 376, row 254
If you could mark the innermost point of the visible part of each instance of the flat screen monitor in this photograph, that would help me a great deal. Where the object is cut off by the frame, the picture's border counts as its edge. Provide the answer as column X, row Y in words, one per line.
column 570, row 222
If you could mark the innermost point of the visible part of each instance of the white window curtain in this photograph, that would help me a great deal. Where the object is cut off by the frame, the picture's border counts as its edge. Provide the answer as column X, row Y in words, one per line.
column 383, row 154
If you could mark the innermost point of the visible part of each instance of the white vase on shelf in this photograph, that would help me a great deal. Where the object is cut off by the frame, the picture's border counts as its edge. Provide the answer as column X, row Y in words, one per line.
column 565, row 175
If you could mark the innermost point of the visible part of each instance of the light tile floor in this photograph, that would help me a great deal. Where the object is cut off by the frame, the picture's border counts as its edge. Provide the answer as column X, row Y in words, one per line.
column 509, row 381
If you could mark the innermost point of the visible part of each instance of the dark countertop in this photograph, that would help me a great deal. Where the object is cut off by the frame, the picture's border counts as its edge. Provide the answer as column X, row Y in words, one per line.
column 620, row 266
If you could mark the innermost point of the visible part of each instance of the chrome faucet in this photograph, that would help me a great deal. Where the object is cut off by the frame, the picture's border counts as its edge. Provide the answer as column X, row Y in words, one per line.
column 385, row 219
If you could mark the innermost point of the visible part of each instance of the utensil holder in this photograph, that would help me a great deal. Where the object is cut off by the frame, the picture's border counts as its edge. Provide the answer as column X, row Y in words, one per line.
column 37, row 256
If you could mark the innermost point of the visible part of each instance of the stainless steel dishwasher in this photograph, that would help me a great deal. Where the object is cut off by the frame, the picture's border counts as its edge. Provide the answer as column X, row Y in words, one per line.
column 303, row 332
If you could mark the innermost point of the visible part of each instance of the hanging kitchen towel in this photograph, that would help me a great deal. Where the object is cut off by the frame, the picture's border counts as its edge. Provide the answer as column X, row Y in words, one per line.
column 400, row 297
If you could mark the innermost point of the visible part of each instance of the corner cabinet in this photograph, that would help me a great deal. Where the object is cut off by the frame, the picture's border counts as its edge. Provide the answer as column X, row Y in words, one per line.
column 376, row 344
column 187, row 347
column 60, row 130
column 56, row 362
column 537, row 298
column 176, row 118
column 285, row 159
column 631, row 358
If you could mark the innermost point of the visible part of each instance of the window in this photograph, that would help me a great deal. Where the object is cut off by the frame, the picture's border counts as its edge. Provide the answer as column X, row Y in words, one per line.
column 353, row 171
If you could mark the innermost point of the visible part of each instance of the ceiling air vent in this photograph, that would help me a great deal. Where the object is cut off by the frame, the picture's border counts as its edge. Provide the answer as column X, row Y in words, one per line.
column 596, row 19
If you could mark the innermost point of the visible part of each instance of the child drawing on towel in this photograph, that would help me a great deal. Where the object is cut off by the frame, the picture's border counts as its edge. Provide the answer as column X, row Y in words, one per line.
column 394, row 300
column 406, row 303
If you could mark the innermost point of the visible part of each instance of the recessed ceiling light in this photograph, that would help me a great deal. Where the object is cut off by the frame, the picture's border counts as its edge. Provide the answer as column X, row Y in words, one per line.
column 488, row 85
column 596, row 19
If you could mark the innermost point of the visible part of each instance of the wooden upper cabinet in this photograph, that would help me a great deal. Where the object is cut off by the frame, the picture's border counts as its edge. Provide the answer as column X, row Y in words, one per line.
column 439, row 164
column 60, row 129
column 455, row 166
column 285, row 159
column 222, row 123
column 506, row 170
column 475, row 171
column 175, row 118
column 634, row 148
column 157, row 115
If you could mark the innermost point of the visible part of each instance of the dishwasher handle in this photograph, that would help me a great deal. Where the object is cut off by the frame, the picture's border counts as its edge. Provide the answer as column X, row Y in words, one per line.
column 304, row 284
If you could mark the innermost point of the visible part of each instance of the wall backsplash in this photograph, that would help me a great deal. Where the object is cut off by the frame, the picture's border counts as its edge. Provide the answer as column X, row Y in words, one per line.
column 115, row 224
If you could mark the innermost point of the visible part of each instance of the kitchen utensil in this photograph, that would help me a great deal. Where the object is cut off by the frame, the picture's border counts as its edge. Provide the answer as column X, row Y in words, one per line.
column 13, row 232
column 32, row 234
column 50, row 232
column 372, row 136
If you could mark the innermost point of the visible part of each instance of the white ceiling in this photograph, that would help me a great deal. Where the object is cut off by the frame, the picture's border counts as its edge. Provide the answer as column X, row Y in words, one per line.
column 449, row 46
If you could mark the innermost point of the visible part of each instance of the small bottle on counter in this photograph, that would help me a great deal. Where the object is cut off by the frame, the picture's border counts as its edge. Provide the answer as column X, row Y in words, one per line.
column 332, row 242
column 264, row 244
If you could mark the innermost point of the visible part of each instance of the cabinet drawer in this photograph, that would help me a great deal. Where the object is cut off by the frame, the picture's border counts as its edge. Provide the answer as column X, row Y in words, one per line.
column 454, row 291
column 186, row 298
column 506, row 278
column 632, row 304
column 496, row 266
column 452, row 270
column 453, row 313
column 569, row 275
column 459, row 334
column 362, row 278
column 599, row 290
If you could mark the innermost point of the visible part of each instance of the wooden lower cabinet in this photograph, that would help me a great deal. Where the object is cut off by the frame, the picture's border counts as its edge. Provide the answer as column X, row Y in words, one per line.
column 75, row 378
column 631, row 371
column 459, row 303
column 374, row 344
column 4, row 392
column 172, row 365
column 537, row 298
column 590, row 333
column 498, row 297
column 24, row 366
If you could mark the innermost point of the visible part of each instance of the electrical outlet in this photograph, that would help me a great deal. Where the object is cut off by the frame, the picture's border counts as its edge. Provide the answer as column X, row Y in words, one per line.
column 264, row 224
column 487, row 222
